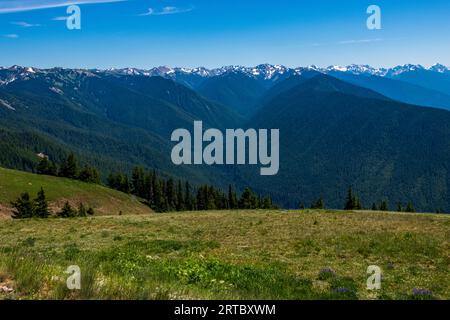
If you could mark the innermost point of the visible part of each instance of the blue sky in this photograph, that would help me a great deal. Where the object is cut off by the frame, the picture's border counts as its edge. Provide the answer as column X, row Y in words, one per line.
column 211, row 33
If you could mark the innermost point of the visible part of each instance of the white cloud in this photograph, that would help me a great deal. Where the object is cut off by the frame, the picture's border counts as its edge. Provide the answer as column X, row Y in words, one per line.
column 11, row 6
column 11, row 36
column 62, row 18
column 25, row 24
column 166, row 11
column 360, row 41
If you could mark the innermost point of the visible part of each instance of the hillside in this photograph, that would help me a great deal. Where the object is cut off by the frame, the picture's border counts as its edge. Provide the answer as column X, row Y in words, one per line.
column 335, row 135
column 228, row 255
column 235, row 90
column 58, row 190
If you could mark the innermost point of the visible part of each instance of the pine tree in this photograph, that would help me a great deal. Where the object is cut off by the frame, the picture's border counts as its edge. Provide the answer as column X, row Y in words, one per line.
column 384, row 206
column 248, row 200
column 170, row 195
column 43, row 166
column 24, row 207
column 180, row 205
column 138, row 182
column 67, row 211
column 188, row 202
column 319, row 204
column 41, row 205
column 52, row 169
column 158, row 195
column 399, row 207
column 232, row 198
column 374, row 207
column 267, row 203
column 410, row 207
column 89, row 175
column 69, row 167
column 82, row 212
column 350, row 201
column 358, row 205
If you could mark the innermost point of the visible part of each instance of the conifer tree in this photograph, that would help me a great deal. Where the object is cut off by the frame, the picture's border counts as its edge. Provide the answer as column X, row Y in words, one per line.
column 319, row 204
column 180, row 205
column 24, row 207
column 188, row 202
column 350, row 201
column 384, row 206
column 69, row 167
column 82, row 212
column 67, row 211
column 232, row 198
column 410, row 207
column 89, row 175
column 43, row 166
column 41, row 205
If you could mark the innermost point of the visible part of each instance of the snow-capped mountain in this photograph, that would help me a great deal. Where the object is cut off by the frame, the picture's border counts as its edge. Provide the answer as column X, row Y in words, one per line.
column 263, row 72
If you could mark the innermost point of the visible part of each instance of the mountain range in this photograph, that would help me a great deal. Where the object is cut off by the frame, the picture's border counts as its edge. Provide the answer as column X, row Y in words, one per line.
column 385, row 132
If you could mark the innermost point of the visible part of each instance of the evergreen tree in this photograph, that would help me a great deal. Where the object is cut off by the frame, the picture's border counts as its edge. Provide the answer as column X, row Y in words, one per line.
column 399, row 207
column 350, row 202
column 358, row 205
column 43, row 166
column 89, row 175
column 267, row 203
column 248, row 200
column 47, row 167
column 180, row 205
column 67, row 211
column 384, row 206
column 138, row 182
column 41, row 205
column 188, row 202
column 319, row 204
column 148, row 189
column 374, row 207
column 82, row 212
column 410, row 207
column 170, row 195
column 24, row 207
column 52, row 169
column 232, row 198
column 69, row 167
column 159, row 200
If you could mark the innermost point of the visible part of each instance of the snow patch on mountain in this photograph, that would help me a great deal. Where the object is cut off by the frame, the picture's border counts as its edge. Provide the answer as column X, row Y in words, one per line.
column 7, row 105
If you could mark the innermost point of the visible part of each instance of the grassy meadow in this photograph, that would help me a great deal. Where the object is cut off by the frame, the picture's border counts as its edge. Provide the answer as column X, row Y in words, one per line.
column 59, row 190
column 257, row 254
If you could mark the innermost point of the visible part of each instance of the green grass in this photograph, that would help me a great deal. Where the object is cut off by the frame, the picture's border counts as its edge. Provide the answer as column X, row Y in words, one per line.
column 228, row 255
column 58, row 190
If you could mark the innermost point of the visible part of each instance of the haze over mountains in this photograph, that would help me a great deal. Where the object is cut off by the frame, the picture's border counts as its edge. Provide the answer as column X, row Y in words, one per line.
column 385, row 132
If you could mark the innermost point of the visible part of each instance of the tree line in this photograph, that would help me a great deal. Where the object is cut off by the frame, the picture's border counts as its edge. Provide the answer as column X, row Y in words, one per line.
column 353, row 202
column 164, row 195
column 26, row 208
column 68, row 168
